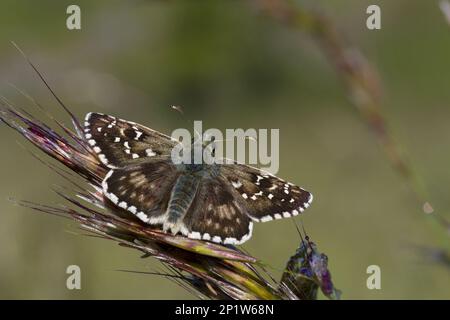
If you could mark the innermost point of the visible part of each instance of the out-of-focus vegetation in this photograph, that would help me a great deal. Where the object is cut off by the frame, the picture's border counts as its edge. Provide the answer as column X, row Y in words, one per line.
column 231, row 67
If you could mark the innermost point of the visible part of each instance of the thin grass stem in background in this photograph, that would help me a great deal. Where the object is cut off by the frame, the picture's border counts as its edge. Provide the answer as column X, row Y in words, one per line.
column 364, row 89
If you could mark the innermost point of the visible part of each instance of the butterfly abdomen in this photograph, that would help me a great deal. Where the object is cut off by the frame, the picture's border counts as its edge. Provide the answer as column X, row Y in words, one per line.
column 182, row 195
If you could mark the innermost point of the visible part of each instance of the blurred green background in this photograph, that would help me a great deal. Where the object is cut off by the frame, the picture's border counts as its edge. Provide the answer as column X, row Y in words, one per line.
column 233, row 68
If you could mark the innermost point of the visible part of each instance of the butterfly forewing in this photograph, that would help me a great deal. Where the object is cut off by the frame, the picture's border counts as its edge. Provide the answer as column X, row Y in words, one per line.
column 265, row 197
column 216, row 215
column 118, row 142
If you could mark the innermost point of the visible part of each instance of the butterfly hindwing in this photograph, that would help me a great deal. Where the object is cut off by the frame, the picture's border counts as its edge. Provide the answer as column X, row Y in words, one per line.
column 118, row 142
column 142, row 189
column 265, row 197
column 216, row 215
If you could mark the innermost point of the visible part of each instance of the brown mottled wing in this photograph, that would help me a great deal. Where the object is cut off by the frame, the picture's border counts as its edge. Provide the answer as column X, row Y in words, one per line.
column 143, row 189
column 264, row 196
column 118, row 141
column 216, row 215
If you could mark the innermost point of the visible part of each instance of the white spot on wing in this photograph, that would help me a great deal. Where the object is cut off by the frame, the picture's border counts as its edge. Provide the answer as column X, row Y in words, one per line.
column 206, row 236
column 195, row 235
column 236, row 184
column 132, row 209
column 266, row 218
column 123, row 205
column 138, row 135
column 230, row 240
column 150, row 153
column 142, row 216
column 102, row 158
column 87, row 117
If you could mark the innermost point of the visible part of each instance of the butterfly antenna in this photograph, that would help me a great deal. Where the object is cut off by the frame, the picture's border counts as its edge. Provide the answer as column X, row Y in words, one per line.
column 74, row 120
column 226, row 140
column 179, row 109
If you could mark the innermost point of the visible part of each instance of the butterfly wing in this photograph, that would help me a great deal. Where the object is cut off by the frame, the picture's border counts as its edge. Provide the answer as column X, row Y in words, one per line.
column 264, row 196
column 143, row 189
column 216, row 215
column 118, row 141
column 223, row 207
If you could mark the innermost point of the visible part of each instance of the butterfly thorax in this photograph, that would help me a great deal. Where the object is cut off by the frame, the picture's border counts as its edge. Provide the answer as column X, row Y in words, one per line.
column 199, row 170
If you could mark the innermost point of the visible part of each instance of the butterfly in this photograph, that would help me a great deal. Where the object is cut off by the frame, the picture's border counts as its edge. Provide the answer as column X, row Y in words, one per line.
column 212, row 202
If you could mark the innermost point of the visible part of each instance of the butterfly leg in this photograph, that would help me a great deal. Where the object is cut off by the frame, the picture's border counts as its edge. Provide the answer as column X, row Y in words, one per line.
column 181, row 198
